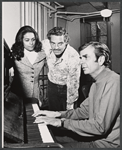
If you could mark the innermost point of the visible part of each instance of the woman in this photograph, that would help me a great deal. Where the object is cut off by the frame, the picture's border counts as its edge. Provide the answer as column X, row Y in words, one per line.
column 29, row 60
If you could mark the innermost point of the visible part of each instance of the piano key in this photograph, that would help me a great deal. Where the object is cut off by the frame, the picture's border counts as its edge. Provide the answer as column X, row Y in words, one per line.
column 36, row 131
column 35, row 107
column 45, row 134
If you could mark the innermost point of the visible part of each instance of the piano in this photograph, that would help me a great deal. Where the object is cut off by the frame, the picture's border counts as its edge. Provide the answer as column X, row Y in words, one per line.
column 21, row 132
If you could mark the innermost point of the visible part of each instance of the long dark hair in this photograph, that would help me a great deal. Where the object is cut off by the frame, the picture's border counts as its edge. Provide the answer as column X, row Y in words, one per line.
column 18, row 47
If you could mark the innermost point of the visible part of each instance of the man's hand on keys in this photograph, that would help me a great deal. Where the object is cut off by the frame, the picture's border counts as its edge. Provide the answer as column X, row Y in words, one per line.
column 47, row 113
column 48, row 121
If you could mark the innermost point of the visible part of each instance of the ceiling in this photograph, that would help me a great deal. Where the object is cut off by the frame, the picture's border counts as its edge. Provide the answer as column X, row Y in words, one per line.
column 97, row 5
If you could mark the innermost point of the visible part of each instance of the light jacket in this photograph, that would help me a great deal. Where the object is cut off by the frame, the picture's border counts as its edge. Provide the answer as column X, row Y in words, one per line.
column 26, row 76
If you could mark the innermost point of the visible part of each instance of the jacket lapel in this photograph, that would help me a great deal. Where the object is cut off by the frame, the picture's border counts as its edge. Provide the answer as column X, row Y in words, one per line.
column 25, row 61
column 41, row 55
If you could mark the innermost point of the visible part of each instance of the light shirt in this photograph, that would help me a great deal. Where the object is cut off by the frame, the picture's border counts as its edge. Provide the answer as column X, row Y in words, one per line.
column 99, row 114
column 65, row 71
column 31, row 55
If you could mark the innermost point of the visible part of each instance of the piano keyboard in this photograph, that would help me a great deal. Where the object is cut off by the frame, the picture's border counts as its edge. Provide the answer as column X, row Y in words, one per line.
column 35, row 135
column 44, row 132
column 36, row 132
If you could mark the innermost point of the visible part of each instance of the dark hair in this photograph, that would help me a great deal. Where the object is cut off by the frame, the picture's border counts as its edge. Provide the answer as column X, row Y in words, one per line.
column 58, row 31
column 100, row 49
column 18, row 47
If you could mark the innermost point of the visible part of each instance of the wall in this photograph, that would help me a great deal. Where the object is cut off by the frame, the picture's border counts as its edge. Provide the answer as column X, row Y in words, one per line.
column 10, row 21
column 61, row 23
column 74, row 26
column 74, row 32
column 115, row 41
column 73, row 29
column 50, row 23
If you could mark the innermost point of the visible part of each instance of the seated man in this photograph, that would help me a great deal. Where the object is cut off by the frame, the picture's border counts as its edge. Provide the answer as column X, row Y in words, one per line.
column 98, row 117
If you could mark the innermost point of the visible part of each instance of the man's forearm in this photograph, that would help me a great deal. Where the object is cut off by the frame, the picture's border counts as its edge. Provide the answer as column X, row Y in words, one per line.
column 66, row 114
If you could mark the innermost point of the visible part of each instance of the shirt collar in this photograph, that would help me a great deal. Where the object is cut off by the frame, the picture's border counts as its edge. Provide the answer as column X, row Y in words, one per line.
column 29, row 52
column 102, row 74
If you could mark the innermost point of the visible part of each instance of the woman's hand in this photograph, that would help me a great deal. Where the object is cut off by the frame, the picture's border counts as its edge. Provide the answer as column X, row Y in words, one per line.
column 47, row 113
column 48, row 121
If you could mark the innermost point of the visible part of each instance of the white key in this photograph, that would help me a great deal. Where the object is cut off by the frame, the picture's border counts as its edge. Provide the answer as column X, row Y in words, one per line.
column 35, row 107
column 44, row 132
